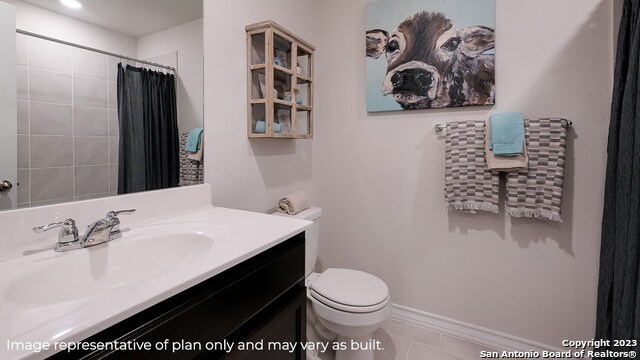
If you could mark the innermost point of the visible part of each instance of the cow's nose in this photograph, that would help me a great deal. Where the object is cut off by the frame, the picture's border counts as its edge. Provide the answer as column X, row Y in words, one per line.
column 418, row 81
column 397, row 79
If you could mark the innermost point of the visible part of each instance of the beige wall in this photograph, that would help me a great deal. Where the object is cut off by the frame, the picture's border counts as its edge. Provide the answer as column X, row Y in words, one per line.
column 379, row 178
column 247, row 174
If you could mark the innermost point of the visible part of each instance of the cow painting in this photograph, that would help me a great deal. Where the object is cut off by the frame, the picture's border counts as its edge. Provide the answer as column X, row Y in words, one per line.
column 432, row 64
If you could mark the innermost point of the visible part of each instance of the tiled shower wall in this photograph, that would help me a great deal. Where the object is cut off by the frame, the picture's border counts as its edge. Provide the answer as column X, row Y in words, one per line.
column 67, row 123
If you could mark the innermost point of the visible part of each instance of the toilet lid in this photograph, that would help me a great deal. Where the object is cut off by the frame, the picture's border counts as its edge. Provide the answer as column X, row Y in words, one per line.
column 352, row 290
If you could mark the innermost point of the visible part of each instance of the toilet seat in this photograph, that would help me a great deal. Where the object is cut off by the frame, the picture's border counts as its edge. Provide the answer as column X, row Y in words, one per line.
column 350, row 291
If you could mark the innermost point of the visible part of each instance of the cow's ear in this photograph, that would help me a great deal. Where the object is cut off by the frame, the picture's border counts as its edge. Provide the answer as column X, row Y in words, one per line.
column 376, row 41
column 475, row 40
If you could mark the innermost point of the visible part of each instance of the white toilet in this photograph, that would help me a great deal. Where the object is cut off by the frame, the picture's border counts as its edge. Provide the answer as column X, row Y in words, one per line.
column 350, row 303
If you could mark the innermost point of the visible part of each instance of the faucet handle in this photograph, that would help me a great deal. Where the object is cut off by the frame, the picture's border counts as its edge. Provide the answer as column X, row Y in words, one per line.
column 61, row 224
column 68, row 233
column 112, row 214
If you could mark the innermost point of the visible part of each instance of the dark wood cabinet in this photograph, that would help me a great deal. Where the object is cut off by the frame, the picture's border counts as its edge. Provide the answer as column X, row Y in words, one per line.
column 260, row 300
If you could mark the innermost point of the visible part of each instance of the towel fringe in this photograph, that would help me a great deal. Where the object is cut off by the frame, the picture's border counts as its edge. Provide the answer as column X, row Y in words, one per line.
column 534, row 213
column 472, row 207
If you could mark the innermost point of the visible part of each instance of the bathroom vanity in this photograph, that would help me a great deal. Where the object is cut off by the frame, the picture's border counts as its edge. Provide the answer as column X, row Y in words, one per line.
column 260, row 299
column 185, row 275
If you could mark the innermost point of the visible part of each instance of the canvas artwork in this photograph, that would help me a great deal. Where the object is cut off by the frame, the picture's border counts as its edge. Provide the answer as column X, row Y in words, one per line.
column 426, row 54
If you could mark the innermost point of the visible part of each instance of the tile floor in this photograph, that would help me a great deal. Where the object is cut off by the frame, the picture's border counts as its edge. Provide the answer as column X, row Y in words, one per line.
column 403, row 341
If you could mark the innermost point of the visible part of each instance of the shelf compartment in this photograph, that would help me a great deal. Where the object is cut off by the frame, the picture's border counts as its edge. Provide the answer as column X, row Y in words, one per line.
column 282, row 83
column 258, row 125
column 304, row 97
column 304, row 124
column 258, row 83
column 257, row 45
column 281, row 51
column 283, row 123
column 304, row 67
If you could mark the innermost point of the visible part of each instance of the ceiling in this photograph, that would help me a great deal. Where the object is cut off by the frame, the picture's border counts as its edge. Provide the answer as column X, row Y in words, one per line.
column 134, row 18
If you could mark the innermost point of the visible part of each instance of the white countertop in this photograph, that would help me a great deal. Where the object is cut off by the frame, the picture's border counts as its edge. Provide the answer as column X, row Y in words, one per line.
column 77, row 319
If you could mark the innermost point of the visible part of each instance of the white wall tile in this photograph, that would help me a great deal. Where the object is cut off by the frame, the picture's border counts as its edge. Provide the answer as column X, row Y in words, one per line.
column 51, row 151
column 89, row 197
column 22, row 47
column 51, row 202
column 23, row 151
column 91, row 180
column 51, row 87
column 51, row 119
column 113, row 149
column 90, row 64
column 23, row 185
column 90, row 121
column 113, row 177
column 90, row 92
column 113, row 95
column 23, row 117
column 91, row 150
column 49, row 55
column 23, row 82
column 51, row 183
column 114, row 125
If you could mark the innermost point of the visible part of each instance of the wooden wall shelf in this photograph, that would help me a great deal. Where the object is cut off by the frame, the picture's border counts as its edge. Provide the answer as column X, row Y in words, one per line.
column 280, row 83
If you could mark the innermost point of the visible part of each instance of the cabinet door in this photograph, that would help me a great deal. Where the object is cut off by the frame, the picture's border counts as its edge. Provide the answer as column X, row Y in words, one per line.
column 287, row 325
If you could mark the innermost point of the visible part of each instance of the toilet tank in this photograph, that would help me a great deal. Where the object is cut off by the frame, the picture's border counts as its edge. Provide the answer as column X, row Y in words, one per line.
column 312, row 235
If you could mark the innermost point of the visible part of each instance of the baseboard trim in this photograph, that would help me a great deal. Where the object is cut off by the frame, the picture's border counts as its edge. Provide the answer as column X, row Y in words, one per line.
column 469, row 332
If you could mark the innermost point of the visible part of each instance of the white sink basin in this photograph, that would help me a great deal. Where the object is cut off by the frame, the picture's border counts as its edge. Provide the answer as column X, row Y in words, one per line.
column 142, row 254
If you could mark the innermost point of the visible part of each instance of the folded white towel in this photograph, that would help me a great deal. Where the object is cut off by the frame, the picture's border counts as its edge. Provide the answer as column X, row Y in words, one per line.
column 294, row 203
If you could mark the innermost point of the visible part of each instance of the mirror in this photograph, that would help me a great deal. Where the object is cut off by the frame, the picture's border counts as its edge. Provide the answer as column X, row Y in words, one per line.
column 107, row 95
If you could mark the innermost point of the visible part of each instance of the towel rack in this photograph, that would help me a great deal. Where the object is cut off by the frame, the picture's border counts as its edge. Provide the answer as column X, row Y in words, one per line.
column 440, row 127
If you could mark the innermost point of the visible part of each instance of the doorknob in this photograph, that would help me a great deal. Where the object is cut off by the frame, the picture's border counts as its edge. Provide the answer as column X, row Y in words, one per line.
column 5, row 185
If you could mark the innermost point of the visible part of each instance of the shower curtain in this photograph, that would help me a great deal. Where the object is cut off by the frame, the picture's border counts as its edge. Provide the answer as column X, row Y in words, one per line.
column 149, row 144
column 618, row 316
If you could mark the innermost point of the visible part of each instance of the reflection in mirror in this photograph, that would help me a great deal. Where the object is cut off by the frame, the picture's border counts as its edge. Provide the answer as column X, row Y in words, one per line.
column 109, row 99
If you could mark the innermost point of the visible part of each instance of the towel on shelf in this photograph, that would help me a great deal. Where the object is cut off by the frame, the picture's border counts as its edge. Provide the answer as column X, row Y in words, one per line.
column 507, row 134
column 191, row 172
column 537, row 191
column 503, row 163
column 469, row 185
column 294, row 203
column 193, row 140
column 261, row 127
column 197, row 156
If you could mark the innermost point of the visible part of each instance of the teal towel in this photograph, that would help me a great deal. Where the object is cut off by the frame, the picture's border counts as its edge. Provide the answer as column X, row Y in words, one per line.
column 261, row 127
column 193, row 140
column 507, row 134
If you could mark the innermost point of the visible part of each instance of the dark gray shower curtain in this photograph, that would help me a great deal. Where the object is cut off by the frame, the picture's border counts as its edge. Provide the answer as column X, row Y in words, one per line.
column 618, row 316
column 149, row 145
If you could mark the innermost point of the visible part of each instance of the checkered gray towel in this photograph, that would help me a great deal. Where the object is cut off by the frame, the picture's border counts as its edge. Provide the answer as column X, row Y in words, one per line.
column 537, row 192
column 191, row 172
column 469, row 185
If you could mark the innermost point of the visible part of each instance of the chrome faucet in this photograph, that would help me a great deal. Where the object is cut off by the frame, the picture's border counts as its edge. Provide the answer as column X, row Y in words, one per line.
column 99, row 232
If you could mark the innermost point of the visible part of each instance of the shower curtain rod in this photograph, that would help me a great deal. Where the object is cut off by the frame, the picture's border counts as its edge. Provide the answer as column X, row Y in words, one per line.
column 23, row 32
